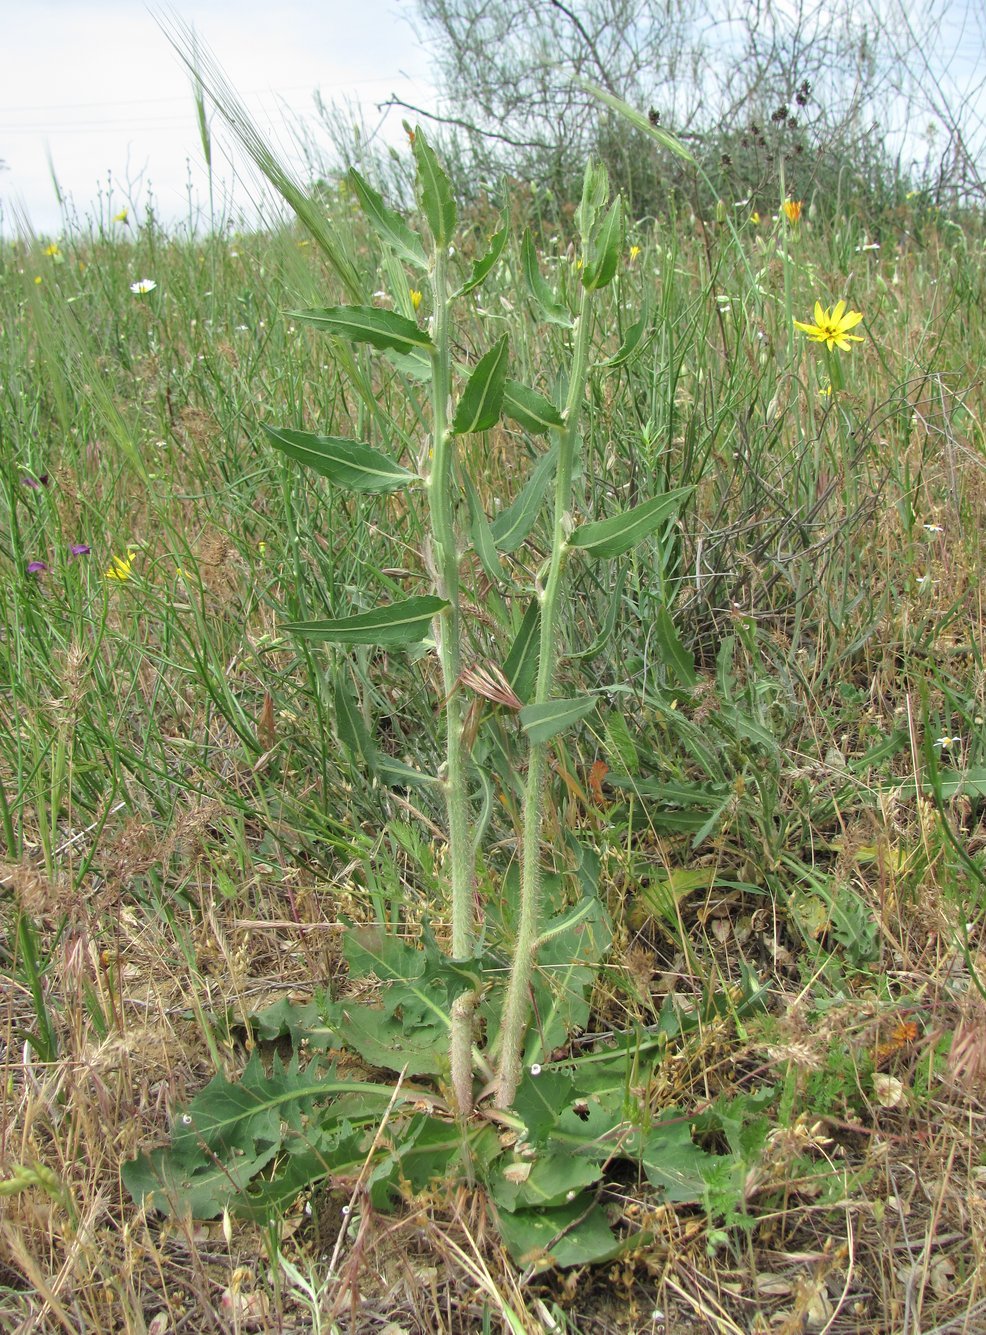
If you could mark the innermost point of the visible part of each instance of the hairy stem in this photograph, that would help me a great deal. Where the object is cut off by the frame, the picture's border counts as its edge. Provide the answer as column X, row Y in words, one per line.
column 444, row 563
column 516, row 1010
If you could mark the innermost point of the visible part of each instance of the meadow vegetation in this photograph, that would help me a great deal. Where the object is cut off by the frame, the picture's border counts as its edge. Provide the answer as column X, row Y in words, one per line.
column 754, row 1076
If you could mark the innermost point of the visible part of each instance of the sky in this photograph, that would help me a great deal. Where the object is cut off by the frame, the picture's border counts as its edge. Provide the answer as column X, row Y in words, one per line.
column 93, row 91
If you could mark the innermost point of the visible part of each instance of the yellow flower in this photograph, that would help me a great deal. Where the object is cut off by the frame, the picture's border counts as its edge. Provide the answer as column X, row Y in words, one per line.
column 832, row 327
column 52, row 249
column 634, row 252
column 415, row 298
column 755, row 218
column 792, row 207
column 37, row 278
column 122, row 217
column 120, row 566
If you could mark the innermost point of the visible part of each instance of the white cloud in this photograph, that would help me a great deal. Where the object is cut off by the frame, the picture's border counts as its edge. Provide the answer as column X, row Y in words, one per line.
column 101, row 87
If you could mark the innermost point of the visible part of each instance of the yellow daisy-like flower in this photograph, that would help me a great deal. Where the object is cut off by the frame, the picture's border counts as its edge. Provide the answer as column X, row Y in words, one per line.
column 792, row 207
column 832, row 327
column 122, row 217
column 415, row 298
column 52, row 250
column 634, row 252
column 120, row 566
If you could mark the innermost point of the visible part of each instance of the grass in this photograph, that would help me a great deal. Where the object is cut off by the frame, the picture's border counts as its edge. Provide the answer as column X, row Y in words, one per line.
column 189, row 821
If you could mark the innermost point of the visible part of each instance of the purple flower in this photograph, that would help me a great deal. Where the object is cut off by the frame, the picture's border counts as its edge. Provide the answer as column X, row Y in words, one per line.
column 36, row 567
column 80, row 549
column 35, row 483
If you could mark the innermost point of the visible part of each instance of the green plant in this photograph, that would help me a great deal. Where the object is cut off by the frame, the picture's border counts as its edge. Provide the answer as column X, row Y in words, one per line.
column 423, row 1021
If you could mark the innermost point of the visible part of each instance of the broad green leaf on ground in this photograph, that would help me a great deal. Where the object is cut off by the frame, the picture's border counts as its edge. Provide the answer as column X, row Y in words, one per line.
column 529, row 409
column 482, row 267
column 549, row 1179
column 230, row 1132
column 389, row 226
column 367, row 324
column 512, row 525
column 409, row 1025
column 482, row 399
column 612, row 537
column 540, row 1100
column 427, row 1151
column 671, row 1160
column 544, row 721
column 347, row 463
column 399, row 623
column 577, row 1233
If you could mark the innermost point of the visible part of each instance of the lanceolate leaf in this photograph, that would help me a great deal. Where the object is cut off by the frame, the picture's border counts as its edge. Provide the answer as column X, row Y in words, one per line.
column 679, row 661
column 390, row 226
column 604, row 250
column 512, row 526
column 542, row 722
column 400, row 623
column 434, row 191
column 481, row 268
column 631, row 342
column 367, row 324
column 635, row 118
column 521, row 665
column 348, row 463
column 551, row 309
column 482, row 398
column 480, row 532
column 613, row 537
column 530, row 409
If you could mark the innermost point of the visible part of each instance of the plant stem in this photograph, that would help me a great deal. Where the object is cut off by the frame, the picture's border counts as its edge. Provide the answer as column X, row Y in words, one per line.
column 516, row 1009
column 444, row 562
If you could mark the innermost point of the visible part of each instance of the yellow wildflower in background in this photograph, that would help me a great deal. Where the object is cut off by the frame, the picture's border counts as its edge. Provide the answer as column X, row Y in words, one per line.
column 792, row 207
column 122, row 217
column 52, row 250
column 634, row 252
column 120, row 566
column 415, row 298
column 831, row 327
